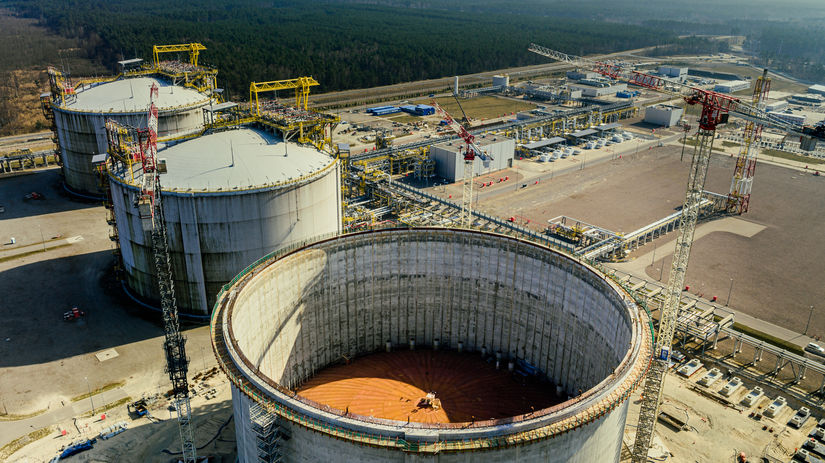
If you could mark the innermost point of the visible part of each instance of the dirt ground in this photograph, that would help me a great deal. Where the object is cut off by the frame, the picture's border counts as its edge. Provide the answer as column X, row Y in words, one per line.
column 716, row 432
column 390, row 385
column 777, row 273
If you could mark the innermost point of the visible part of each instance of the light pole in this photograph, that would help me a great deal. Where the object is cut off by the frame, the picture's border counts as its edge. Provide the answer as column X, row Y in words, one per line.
column 730, row 290
column 89, row 388
column 653, row 259
column 809, row 320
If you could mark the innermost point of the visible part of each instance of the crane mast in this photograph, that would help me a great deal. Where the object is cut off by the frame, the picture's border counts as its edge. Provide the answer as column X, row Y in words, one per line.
column 742, row 181
column 715, row 109
column 471, row 150
column 150, row 208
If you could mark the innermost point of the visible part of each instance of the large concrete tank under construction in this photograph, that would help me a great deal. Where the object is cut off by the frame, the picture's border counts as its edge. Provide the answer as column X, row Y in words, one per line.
column 229, row 198
column 545, row 319
column 80, row 121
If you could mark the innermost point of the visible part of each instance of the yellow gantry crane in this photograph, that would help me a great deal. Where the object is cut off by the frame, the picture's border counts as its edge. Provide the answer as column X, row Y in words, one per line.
column 300, row 84
column 194, row 50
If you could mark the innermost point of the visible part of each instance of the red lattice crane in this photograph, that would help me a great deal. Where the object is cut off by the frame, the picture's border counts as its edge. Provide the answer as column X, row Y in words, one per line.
column 471, row 151
column 716, row 108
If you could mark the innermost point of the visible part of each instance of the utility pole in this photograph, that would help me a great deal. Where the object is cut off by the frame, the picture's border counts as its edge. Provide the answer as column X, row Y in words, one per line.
column 807, row 325
column 729, row 292
column 89, row 388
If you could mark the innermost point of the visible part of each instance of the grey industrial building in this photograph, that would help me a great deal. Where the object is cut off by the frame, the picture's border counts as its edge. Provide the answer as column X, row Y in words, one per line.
column 664, row 115
column 593, row 92
column 449, row 156
column 673, row 71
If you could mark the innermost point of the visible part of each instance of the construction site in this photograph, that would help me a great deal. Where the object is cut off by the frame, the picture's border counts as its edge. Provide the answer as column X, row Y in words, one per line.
column 598, row 259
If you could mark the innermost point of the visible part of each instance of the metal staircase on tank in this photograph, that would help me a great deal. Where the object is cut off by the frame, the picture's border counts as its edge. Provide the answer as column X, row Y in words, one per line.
column 268, row 435
column 108, row 205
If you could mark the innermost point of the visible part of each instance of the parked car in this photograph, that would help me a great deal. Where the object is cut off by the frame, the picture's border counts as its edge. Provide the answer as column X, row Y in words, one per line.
column 815, row 348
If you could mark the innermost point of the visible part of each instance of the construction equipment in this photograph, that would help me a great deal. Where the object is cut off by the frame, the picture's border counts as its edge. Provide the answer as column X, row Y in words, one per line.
column 742, row 181
column 193, row 49
column 471, row 150
column 716, row 108
column 301, row 85
column 150, row 210
column 299, row 122
column 138, row 408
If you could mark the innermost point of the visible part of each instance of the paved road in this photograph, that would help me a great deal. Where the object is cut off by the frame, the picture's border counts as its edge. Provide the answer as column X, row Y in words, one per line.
column 10, row 430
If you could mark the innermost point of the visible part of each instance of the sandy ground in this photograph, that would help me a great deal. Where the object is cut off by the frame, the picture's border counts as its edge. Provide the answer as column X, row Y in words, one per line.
column 776, row 272
column 148, row 440
column 717, row 432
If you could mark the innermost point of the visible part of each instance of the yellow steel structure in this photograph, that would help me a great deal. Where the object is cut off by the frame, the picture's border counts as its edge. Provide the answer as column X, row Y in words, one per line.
column 194, row 50
column 301, row 86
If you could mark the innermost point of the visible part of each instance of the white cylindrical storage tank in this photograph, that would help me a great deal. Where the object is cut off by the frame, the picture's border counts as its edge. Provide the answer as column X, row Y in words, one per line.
column 80, row 121
column 229, row 198
column 326, row 309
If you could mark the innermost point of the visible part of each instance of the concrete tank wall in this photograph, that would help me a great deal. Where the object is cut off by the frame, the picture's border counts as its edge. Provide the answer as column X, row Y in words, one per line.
column 81, row 132
column 349, row 296
column 599, row 441
column 212, row 236
column 83, row 135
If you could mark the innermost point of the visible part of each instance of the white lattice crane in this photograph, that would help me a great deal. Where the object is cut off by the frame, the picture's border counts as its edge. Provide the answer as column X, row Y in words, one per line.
column 471, row 151
column 716, row 108
column 740, row 186
column 150, row 209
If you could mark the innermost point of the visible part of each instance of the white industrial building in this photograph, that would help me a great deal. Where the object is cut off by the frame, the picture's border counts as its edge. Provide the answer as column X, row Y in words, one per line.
column 673, row 71
column 449, row 156
column 797, row 119
column 592, row 92
column 817, row 89
column 732, row 86
column 664, row 115
column 807, row 99
column 778, row 105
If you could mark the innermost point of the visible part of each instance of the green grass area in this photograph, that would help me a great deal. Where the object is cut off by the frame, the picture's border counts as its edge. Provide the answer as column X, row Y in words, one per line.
column 22, row 416
column 729, row 144
column 104, row 388
column 781, row 343
column 107, row 407
column 481, row 107
column 792, row 157
column 8, row 450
